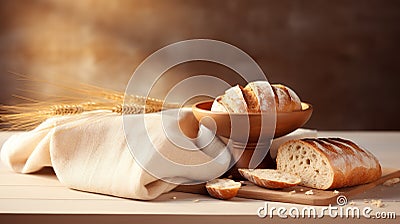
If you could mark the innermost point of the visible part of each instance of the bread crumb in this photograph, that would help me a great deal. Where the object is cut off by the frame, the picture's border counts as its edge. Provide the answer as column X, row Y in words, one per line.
column 352, row 203
column 310, row 192
column 377, row 203
column 336, row 192
column 366, row 201
column 301, row 189
column 230, row 177
column 292, row 192
column 196, row 200
column 391, row 182
column 173, row 198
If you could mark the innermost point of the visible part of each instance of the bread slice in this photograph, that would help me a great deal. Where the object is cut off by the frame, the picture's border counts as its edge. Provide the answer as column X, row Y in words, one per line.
column 268, row 178
column 223, row 188
column 217, row 106
column 327, row 163
column 286, row 99
column 252, row 101
column 233, row 100
column 259, row 96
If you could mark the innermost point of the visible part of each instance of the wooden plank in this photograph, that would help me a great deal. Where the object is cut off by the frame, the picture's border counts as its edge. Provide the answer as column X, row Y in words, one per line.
column 320, row 197
column 44, row 177
column 49, row 193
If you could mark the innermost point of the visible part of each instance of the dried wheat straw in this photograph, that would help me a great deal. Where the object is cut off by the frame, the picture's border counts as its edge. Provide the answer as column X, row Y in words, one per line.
column 26, row 116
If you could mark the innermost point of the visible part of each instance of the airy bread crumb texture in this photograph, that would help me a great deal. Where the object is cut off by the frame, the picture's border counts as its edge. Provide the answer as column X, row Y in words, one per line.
column 303, row 161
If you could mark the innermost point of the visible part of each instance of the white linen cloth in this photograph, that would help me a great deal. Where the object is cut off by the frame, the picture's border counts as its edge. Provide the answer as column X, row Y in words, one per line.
column 89, row 152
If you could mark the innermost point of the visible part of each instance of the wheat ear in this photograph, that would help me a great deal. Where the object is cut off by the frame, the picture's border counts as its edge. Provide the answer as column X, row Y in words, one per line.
column 29, row 115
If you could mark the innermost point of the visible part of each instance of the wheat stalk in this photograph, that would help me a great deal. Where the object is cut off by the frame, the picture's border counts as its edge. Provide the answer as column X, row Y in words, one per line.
column 26, row 116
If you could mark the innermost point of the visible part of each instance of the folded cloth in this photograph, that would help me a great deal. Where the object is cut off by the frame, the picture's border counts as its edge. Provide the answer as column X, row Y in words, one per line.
column 91, row 152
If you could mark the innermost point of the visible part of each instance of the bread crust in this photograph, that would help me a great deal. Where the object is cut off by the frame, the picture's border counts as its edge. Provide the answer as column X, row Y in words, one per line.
column 286, row 99
column 233, row 100
column 215, row 190
column 252, row 101
column 261, row 95
column 350, row 164
column 224, row 194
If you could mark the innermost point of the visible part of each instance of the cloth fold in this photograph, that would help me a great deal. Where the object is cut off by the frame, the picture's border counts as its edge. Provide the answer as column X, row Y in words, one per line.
column 90, row 152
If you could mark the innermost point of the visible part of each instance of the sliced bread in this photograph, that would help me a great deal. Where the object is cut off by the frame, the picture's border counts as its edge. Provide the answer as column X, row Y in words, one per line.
column 256, row 97
column 269, row 178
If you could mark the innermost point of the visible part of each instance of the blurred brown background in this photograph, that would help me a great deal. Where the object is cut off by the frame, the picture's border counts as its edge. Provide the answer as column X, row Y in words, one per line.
column 342, row 56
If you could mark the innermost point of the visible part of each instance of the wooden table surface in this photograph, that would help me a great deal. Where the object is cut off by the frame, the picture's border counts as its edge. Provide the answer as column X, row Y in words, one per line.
column 41, row 198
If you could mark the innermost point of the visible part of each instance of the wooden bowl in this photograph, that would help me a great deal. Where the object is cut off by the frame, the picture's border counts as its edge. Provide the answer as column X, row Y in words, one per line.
column 248, row 128
column 286, row 122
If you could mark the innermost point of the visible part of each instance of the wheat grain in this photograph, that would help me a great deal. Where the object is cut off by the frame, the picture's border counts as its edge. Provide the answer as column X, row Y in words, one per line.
column 61, row 110
column 135, row 109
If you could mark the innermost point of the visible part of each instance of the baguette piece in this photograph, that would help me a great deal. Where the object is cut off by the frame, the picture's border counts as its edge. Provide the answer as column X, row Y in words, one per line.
column 269, row 178
column 232, row 101
column 286, row 100
column 259, row 96
column 223, row 188
column 328, row 163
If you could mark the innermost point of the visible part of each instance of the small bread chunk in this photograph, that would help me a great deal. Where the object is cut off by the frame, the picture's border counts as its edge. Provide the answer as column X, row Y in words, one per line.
column 269, row 178
column 223, row 188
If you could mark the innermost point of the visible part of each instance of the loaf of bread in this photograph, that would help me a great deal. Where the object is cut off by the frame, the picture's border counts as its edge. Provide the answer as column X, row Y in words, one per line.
column 328, row 163
column 268, row 178
column 257, row 97
column 223, row 188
